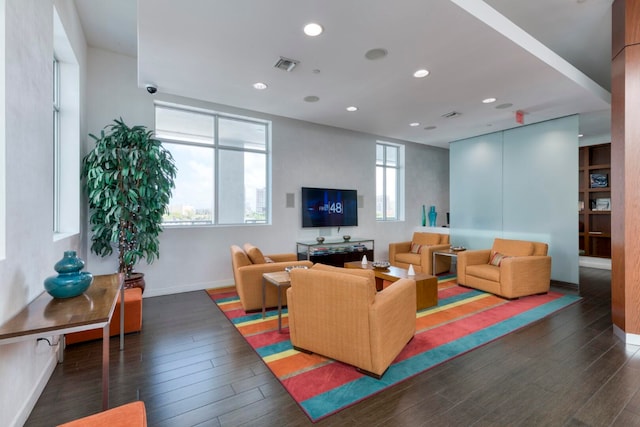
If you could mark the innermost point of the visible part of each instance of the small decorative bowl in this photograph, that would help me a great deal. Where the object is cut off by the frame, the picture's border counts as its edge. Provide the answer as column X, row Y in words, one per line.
column 381, row 265
column 346, row 237
column 458, row 248
column 320, row 239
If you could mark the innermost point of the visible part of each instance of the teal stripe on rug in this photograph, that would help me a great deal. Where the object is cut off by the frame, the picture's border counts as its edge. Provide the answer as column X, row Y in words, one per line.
column 333, row 400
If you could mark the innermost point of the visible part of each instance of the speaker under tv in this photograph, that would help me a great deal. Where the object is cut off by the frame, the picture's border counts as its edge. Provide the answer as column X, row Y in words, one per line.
column 329, row 207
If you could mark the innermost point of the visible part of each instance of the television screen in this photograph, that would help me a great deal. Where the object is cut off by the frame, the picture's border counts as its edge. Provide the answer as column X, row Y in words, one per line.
column 327, row 207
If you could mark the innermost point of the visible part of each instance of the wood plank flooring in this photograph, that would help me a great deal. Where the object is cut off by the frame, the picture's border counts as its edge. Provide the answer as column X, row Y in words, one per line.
column 191, row 368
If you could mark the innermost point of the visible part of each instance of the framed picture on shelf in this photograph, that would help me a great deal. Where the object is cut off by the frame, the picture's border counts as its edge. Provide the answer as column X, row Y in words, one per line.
column 598, row 180
column 603, row 204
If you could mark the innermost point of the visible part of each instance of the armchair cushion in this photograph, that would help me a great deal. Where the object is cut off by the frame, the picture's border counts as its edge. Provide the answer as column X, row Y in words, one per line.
column 496, row 258
column 416, row 248
column 254, row 254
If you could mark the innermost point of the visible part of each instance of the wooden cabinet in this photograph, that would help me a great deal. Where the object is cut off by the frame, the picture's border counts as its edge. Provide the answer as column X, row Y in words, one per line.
column 594, row 201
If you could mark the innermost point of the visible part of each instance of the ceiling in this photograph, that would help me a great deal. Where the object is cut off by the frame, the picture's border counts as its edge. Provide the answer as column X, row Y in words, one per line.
column 548, row 59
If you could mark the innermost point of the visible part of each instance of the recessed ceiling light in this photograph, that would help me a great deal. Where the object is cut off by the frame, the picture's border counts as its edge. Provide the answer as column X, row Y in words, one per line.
column 352, row 108
column 374, row 54
column 259, row 86
column 421, row 73
column 311, row 98
column 414, row 124
column 312, row 29
column 580, row 135
column 489, row 100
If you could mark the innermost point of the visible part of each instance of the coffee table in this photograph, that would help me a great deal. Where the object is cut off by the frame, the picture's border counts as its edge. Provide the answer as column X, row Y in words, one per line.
column 281, row 280
column 426, row 285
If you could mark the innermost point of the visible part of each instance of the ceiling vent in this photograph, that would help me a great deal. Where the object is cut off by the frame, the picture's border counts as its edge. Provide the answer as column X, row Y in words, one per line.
column 451, row 115
column 286, row 64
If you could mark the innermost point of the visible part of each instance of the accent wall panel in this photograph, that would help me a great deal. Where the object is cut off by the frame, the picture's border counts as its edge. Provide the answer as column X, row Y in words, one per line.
column 519, row 184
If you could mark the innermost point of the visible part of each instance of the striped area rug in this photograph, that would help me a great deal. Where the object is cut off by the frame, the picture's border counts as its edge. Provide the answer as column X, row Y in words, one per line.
column 463, row 320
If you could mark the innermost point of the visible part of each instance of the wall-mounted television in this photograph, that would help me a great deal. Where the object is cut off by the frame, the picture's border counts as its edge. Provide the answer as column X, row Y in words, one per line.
column 329, row 207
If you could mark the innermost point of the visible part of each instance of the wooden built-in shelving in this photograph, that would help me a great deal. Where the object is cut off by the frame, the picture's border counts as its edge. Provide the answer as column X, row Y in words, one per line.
column 594, row 217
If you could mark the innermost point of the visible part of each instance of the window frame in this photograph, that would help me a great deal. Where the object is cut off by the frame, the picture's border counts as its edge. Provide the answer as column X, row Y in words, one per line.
column 218, row 148
column 399, row 174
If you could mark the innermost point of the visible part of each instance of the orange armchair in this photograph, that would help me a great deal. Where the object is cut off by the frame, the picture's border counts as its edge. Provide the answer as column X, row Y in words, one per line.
column 336, row 312
column 511, row 268
column 249, row 264
column 419, row 253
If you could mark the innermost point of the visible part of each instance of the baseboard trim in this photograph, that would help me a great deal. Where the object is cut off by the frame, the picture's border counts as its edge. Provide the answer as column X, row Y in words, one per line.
column 25, row 411
column 150, row 292
column 633, row 339
column 593, row 262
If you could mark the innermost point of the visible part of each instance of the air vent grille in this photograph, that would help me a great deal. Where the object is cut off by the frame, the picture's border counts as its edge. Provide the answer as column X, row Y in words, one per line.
column 286, row 64
column 451, row 115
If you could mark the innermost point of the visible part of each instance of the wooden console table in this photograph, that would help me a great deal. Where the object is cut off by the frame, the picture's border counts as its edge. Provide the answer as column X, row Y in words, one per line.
column 46, row 316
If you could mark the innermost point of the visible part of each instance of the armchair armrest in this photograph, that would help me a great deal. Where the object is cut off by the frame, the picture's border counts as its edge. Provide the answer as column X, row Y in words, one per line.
column 466, row 258
column 392, row 317
column 398, row 248
column 283, row 257
column 525, row 275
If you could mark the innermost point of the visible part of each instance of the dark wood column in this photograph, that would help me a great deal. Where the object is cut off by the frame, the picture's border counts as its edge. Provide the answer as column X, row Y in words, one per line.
column 625, row 166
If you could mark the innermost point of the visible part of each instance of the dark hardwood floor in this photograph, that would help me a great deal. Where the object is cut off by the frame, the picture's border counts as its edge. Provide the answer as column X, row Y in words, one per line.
column 191, row 368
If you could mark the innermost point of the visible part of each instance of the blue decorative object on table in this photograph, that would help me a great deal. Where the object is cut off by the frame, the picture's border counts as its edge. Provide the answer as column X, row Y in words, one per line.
column 432, row 216
column 424, row 216
column 70, row 281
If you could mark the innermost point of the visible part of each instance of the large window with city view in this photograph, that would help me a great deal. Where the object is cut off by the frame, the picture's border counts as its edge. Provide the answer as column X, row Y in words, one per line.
column 389, row 161
column 222, row 163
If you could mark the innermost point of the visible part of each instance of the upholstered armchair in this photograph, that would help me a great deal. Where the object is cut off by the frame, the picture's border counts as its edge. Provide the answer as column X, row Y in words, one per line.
column 337, row 313
column 419, row 253
column 249, row 264
column 511, row 268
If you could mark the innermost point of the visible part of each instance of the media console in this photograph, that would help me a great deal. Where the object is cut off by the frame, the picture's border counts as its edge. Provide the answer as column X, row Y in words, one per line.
column 335, row 251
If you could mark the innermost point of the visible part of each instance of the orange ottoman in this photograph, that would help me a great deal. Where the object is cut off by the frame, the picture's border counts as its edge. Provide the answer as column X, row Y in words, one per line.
column 130, row 415
column 132, row 319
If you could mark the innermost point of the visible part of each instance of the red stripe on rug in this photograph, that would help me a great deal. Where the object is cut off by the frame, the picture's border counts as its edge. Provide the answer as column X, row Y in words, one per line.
column 319, row 380
column 267, row 338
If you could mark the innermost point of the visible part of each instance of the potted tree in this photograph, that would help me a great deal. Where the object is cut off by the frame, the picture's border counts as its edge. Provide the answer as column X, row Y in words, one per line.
column 129, row 177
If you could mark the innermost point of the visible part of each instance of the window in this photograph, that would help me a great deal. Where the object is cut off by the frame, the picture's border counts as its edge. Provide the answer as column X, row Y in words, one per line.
column 56, row 145
column 222, row 166
column 66, row 135
column 389, row 181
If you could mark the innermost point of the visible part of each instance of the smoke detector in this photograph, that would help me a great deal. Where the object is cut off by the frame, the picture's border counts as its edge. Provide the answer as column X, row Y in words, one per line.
column 286, row 64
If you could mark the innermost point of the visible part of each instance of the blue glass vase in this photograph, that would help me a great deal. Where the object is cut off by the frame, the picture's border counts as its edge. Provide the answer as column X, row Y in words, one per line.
column 424, row 216
column 432, row 216
column 70, row 281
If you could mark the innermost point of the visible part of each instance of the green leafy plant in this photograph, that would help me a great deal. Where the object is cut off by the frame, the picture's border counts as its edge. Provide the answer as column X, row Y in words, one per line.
column 129, row 177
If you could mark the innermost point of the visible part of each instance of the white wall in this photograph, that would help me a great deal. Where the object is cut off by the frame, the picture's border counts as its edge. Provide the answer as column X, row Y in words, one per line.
column 304, row 154
column 30, row 249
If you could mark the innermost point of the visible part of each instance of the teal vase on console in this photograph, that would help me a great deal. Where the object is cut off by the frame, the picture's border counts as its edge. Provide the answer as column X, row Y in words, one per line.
column 424, row 216
column 70, row 281
column 432, row 216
